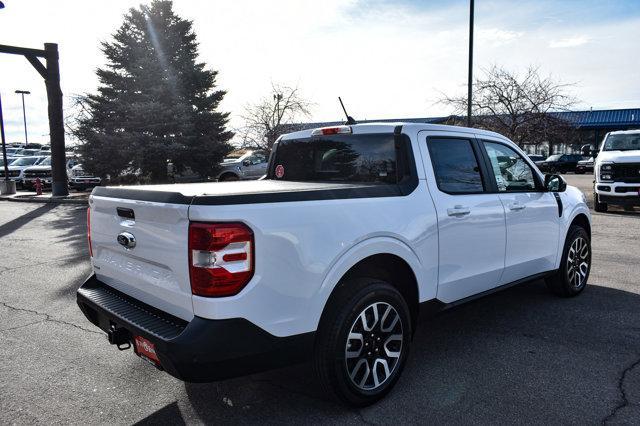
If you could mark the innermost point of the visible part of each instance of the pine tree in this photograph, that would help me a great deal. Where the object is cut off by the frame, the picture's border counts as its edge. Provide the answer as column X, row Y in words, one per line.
column 155, row 102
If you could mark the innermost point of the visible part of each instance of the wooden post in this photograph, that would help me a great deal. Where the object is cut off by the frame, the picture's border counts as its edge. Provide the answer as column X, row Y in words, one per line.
column 59, row 185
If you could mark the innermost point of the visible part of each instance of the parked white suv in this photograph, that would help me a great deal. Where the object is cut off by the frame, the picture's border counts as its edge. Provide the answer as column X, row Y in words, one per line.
column 354, row 230
column 617, row 171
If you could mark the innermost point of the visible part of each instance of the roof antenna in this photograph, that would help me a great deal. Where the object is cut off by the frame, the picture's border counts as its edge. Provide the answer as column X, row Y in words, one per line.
column 350, row 119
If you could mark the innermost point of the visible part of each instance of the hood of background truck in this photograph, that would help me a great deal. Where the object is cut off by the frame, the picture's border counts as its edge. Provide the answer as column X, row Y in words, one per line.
column 619, row 156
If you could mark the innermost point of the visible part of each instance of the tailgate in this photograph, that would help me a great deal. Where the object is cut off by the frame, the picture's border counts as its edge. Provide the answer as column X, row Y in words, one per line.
column 155, row 270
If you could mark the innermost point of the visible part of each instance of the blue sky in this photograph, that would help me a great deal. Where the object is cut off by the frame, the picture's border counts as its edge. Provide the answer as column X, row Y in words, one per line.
column 385, row 58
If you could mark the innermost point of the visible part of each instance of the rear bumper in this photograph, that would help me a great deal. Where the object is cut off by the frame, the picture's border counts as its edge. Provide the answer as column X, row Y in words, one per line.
column 201, row 350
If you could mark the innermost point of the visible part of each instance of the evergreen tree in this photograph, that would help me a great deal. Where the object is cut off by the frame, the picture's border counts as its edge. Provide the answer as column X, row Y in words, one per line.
column 155, row 103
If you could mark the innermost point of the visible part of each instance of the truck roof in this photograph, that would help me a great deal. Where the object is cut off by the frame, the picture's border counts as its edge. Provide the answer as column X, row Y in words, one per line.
column 384, row 127
column 624, row 132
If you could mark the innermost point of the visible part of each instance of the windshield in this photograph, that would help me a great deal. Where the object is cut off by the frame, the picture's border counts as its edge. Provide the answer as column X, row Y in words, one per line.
column 555, row 157
column 622, row 142
column 235, row 156
column 337, row 158
column 25, row 161
column 45, row 162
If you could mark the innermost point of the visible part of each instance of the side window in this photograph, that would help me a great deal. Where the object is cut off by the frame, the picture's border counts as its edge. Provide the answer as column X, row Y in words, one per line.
column 511, row 171
column 258, row 158
column 455, row 166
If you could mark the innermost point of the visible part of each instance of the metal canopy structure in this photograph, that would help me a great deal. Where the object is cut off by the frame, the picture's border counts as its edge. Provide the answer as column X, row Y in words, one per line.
column 50, row 72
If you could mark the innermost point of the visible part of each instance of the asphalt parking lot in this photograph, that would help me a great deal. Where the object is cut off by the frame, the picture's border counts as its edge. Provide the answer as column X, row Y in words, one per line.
column 519, row 356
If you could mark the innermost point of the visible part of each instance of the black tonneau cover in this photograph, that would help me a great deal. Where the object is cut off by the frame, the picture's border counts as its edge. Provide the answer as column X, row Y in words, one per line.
column 249, row 192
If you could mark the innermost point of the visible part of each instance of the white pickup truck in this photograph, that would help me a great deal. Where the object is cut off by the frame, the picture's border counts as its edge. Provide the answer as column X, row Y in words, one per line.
column 353, row 232
column 617, row 171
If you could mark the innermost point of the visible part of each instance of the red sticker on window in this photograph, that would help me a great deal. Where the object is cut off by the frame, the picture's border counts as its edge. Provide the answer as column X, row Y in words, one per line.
column 279, row 171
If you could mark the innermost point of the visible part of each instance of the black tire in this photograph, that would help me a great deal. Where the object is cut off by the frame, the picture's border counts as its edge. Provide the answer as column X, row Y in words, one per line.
column 229, row 177
column 344, row 318
column 597, row 205
column 571, row 279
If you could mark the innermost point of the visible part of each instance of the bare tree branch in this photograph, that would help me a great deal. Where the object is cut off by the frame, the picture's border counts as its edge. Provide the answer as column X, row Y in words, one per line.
column 517, row 106
column 272, row 116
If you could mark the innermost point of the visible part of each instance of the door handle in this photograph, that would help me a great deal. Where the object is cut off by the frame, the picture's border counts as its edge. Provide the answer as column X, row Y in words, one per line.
column 458, row 211
column 516, row 206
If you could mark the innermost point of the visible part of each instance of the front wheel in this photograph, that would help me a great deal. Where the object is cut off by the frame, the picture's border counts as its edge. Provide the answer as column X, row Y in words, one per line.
column 597, row 205
column 363, row 341
column 575, row 266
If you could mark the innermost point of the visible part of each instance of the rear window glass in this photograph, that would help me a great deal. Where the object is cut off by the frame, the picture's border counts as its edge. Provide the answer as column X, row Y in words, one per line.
column 367, row 158
column 455, row 166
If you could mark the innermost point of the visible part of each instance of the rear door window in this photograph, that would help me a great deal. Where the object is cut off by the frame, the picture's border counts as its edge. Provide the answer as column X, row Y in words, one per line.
column 455, row 165
column 367, row 158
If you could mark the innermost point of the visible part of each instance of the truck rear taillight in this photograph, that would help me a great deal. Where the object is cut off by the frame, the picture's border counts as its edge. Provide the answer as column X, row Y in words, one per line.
column 220, row 258
column 89, row 231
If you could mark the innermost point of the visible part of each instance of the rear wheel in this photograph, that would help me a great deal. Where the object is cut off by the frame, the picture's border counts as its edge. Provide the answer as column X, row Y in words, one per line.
column 575, row 266
column 597, row 205
column 363, row 341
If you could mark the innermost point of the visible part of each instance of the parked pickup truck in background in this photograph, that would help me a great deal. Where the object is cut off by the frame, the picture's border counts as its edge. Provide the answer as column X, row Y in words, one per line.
column 617, row 171
column 80, row 180
column 42, row 171
column 249, row 166
column 354, row 230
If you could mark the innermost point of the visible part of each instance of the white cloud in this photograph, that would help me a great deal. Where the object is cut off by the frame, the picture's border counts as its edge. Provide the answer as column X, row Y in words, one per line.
column 569, row 42
column 498, row 37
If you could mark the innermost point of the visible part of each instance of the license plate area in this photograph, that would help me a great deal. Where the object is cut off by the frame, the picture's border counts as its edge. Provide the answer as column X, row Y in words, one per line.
column 146, row 350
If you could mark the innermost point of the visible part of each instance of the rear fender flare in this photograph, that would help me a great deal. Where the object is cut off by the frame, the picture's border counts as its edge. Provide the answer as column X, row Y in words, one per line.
column 361, row 251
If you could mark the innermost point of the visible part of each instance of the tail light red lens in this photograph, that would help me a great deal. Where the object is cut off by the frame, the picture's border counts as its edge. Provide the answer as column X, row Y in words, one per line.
column 89, row 231
column 220, row 258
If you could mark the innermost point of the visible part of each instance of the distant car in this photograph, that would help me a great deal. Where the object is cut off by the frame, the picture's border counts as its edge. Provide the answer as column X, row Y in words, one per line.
column 560, row 163
column 43, row 171
column 536, row 157
column 12, row 152
column 19, row 165
column 251, row 165
column 81, row 180
column 585, row 166
column 25, row 152
column 10, row 159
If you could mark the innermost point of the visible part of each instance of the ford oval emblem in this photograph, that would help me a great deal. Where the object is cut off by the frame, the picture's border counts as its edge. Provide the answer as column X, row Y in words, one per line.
column 127, row 240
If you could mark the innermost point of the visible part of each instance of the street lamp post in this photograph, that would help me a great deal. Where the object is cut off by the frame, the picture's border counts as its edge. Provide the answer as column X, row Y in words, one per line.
column 24, row 114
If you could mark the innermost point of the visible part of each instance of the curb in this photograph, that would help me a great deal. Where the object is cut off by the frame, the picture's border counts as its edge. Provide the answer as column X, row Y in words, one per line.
column 48, row 200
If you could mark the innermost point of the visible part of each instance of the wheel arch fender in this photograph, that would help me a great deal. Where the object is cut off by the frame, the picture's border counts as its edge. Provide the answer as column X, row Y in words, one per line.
column 376, row 246
column 581, row 215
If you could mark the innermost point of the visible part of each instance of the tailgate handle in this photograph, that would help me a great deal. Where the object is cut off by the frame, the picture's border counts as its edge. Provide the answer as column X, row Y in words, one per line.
column 126, row 213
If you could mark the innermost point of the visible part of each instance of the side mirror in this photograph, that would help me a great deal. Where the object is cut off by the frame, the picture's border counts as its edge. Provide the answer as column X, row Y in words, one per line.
column 555, row 183
column 246, row 163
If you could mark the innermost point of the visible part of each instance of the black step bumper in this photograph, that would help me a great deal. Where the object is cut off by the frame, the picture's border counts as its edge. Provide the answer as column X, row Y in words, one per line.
column 202, row 350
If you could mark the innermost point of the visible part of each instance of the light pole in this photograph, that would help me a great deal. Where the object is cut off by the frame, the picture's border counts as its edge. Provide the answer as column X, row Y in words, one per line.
column 24, row 114
column 470, row 81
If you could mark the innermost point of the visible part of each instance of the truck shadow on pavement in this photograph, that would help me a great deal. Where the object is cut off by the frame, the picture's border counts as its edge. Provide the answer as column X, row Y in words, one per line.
column 521, row 355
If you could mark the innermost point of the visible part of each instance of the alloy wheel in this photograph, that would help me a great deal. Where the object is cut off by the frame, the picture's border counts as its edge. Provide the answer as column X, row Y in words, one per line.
column 374, row 346
column 578, row 259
